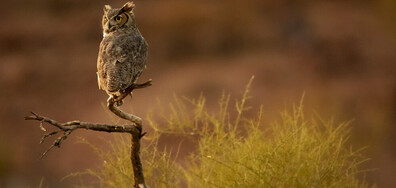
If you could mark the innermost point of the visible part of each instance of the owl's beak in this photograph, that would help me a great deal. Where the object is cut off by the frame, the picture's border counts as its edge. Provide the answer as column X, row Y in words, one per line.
column 109, row 26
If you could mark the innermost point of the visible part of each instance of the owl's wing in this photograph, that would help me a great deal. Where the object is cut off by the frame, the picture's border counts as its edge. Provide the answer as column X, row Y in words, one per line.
column 126, row 63
column 101, row 66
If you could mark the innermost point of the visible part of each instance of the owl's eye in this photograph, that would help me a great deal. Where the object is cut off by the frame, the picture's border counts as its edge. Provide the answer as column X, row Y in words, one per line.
column 118, row 18
column 121, row 19
column 104, row 20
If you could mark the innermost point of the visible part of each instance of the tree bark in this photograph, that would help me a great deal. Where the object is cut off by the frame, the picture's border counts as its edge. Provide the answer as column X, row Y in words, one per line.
column 135, row 129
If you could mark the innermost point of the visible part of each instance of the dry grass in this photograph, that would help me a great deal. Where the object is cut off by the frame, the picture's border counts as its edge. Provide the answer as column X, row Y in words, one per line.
column 234, row 151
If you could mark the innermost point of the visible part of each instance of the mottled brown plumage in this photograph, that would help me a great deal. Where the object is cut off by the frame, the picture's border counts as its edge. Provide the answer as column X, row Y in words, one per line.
column 122, row 52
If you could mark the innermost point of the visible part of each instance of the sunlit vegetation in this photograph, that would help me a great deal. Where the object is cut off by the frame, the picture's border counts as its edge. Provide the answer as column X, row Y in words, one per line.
column 236, row 151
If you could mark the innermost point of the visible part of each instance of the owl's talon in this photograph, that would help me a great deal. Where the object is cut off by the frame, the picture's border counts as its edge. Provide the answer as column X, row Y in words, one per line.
column 119, row 103
column 114, row 99
column 110, row 100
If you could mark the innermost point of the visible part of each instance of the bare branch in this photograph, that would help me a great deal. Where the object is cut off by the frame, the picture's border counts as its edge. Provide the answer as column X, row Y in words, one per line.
column 135, row 129
column 111, row 104
column 129, row 90
column 70, row 126
column 135, row 142
column 47, row 135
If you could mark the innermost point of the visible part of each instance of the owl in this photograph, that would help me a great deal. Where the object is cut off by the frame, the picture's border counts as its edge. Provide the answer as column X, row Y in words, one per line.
column 122, row 51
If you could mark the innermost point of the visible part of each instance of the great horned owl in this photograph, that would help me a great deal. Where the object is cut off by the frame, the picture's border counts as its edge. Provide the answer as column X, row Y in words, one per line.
column 122, row 52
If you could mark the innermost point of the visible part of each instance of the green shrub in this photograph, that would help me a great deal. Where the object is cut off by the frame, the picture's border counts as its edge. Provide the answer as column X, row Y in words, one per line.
column 235, row 151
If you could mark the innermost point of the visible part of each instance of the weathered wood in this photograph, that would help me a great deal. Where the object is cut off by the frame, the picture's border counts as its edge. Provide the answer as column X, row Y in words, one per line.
column 135, row 129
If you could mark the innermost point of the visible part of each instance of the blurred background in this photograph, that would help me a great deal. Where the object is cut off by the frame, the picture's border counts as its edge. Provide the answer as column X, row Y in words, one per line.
column 340, row 53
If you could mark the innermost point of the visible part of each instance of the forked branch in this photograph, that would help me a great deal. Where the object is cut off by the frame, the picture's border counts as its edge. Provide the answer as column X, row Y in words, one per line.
column 135, row 129
column 68, row 127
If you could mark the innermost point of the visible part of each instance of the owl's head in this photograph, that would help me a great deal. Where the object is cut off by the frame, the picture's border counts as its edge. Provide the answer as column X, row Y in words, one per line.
column 118, row 18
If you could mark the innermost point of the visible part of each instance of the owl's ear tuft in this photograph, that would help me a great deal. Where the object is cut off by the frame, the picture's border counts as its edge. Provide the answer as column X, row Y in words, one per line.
column 128, row 7
column 106, row 8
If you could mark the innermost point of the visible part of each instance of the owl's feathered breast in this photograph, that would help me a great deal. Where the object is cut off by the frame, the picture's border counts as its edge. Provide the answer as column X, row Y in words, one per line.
column 121, row 61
